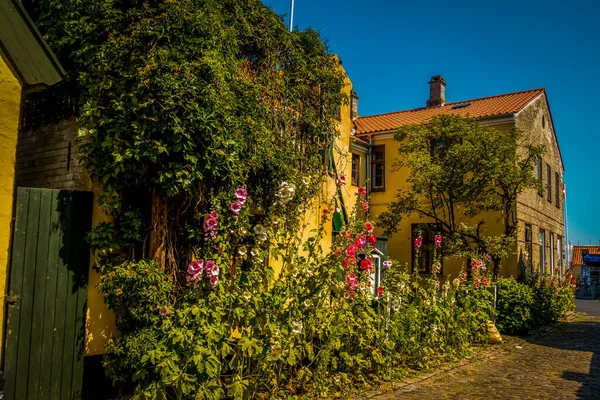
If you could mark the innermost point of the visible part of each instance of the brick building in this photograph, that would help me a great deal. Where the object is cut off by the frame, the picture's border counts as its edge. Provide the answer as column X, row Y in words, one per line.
column 540, row 244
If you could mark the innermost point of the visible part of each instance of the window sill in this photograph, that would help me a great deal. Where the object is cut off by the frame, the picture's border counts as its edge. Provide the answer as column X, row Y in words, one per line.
column 377, row 189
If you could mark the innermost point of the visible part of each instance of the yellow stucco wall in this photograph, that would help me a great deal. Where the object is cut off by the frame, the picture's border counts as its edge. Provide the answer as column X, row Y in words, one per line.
column 100, row 321
column 10, row 102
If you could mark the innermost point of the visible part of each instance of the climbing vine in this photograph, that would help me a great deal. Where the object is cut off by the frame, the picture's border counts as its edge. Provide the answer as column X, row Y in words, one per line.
column 181, row 102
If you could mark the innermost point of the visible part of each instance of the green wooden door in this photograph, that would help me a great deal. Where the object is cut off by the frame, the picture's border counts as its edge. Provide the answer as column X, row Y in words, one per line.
column 48, row 291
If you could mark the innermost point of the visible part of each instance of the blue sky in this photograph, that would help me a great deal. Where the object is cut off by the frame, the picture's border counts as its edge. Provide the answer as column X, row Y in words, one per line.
column 390, row 49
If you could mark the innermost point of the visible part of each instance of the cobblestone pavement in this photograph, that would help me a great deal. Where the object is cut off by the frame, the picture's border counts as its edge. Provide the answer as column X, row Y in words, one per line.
column 562, row 364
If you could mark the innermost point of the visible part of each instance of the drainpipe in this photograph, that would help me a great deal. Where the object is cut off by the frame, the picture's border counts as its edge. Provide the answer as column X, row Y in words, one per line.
column 368, row 172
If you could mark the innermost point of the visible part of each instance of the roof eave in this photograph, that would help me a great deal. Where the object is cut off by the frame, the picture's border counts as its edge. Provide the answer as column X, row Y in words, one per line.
column 29, row 49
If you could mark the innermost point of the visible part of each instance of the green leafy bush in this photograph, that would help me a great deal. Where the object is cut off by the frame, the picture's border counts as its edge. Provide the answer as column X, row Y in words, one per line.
column 554, row 298
column 535, row 302
column 515, row 302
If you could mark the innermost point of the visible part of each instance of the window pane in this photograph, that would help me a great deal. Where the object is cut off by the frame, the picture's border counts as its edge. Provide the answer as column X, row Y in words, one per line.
column 378, row 178
column 355, row 163
column 542, row 240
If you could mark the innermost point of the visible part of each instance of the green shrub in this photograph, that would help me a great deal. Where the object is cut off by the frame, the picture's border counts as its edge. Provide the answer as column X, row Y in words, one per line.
column 554, row 297
column 514, row 306
column 523, row 306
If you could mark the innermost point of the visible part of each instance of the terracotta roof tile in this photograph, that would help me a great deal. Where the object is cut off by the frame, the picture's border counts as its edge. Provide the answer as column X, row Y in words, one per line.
column 478, row 108
column 577, row 257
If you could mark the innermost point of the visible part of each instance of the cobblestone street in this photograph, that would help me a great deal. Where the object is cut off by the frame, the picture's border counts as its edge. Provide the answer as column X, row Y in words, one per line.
column 562, row 364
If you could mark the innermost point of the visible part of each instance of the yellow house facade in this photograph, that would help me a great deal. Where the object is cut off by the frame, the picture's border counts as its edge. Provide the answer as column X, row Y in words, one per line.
column 540, row 238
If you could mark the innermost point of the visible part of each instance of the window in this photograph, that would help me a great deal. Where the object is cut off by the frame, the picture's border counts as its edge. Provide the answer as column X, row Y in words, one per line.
column 559, row 253
column 528, row 245
column 549, row 182
column 542, row 239
column 336, row 113
column 552, row 266
column 539, row 176
column 378, row 168
column 543, row 121
column 426, row 252
column 557, row 189
column 355, row 169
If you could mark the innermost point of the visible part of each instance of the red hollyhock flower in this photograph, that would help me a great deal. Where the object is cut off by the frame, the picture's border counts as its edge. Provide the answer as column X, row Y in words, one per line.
column 372, row 240
column 366, row 264
column 369, row 227
column 380, row 291
column 351, row 250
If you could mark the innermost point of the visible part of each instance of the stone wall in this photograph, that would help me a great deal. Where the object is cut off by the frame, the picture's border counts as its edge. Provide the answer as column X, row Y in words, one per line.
column 535, row 209
column 48, row 157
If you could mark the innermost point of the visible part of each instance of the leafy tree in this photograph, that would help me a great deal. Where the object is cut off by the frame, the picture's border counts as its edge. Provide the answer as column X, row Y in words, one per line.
column 464, row 177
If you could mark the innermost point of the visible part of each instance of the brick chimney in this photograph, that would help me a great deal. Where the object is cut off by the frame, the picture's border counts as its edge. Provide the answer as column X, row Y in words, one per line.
column 353, row 105
column 437, row 92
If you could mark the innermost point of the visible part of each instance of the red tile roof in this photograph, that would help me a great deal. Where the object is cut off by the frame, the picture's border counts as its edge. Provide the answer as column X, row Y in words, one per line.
column 478, row 108
column 577, row 257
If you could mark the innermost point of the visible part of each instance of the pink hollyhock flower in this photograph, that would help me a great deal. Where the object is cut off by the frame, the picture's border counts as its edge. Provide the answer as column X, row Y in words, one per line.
column 418, row 242
column 387, row 264
column 366, row 264
column 372, row 240
column 437, row 284
column 361, row 190
column 195, row 267
column 346, row 295
column 211, row 268
column 360, row 241
column 486, row 282
column 236, row 206
column 241, row 194
column 365, row 206
column 213, row 281
column 368, row 227
column 211, row 221
column 351, row 250
column 477, row 284
column 345, row 263
column 463, row 276
column 350, row 277
column 341, row 180
column 353, row 295
column 437, row 240
column 488, row 258
column 380, row 291
column 337, row 252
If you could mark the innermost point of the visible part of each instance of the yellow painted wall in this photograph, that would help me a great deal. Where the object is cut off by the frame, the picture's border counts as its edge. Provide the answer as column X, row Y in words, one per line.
column 100, row 321
column 10, row 102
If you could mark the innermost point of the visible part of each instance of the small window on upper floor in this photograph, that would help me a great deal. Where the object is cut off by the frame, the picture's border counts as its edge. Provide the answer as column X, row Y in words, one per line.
column 543, row 121
column 355, row 169
column 539, row 176
column 378, row 168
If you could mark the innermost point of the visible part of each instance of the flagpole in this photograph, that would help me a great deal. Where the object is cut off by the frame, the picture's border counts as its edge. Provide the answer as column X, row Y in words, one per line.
column 292, row 16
